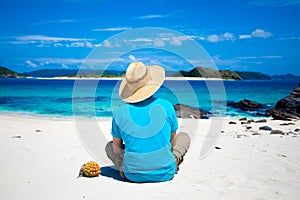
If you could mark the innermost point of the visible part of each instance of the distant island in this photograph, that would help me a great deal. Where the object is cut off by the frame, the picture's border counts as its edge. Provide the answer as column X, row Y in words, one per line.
column 7, row 73
column 200, row 72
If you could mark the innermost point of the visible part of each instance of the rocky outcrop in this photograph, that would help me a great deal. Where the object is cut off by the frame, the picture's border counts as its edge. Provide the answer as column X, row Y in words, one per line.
column 185, row 111
column 288, row 107
column 250, row 107
column 246, row 105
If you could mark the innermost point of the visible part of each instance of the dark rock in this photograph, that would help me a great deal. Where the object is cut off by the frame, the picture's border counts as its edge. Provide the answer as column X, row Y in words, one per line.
column 265, row 128
column 185, row 111
column 261, row 121
column 241, row 135
column 243, row 119
column 297, row 130
column 245, row 122
column 273, row 132
column 17, row 136
column 291, row 133
column 250, row 120
column 37, row 130
column 286, row 124
column 246, row 105
column 282, row 155
column 288, row 107
column 232, row 123
column 256, row 133
column 248, row 127
column 217, row 147
column 250, row 107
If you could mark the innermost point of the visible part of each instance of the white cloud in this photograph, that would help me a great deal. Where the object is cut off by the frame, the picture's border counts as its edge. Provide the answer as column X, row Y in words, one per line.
column 64, row 66
column 186, row 37
column 89, row 45
column 132, row 58
column 80, row 44
column 175, row 41
column 46, row 41
column 201, row 38
column 58, row 44
column 214, row 38
column 258, row 57
column 113, row 29
column 228, row 36
column 47, row 38
column 118, row 45
column 152, row 16
column 141, row 40
column 56, row 21
column 31, row 64
column 274, row 3
column 107, row 44
column 76, row 44
column 260, row 33
column 244, row 36
column 158, row 42
column 218, row 38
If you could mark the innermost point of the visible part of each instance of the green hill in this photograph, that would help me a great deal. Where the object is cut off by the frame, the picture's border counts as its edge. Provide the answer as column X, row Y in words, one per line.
column 253, row 76
column 209, row 73
column 227, row 74
column 7, row 73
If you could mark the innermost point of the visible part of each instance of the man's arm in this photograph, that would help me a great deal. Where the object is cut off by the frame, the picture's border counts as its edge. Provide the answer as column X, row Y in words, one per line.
column 173, row 139
column 118, row 146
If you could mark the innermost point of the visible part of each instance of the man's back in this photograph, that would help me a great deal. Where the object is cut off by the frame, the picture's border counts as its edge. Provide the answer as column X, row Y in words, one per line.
column 146, row 128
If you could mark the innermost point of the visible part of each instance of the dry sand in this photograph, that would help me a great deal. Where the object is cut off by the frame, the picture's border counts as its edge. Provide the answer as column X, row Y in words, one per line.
column 40, row 159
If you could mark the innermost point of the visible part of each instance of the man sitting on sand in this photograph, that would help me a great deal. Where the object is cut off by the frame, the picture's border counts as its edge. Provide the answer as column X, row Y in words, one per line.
column 145, row 147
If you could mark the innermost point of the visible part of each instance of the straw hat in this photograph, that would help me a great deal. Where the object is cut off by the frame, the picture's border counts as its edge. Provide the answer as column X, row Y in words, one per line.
column 141, row 82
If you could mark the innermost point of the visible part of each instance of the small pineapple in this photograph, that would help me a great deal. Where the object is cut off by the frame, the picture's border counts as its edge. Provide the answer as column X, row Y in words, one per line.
column 90, row 169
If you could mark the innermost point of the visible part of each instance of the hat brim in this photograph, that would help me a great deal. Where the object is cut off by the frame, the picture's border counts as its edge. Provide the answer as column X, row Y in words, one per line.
column 157, row 75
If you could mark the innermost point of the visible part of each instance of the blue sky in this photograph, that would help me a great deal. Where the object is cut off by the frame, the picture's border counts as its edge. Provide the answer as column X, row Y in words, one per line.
column 245, row 35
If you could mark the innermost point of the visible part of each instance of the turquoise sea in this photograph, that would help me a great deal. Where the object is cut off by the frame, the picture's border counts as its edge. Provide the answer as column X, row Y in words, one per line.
column 90, row 98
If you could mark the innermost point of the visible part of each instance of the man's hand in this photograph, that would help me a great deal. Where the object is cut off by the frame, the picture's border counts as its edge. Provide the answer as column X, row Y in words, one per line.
column 118, row 145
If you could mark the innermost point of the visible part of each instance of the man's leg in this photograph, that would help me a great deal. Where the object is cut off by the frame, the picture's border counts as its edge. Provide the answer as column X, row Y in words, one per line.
column 117, row 159
column 181, row 146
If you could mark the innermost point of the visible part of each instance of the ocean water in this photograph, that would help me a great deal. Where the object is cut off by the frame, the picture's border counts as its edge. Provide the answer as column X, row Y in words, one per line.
column 93, row 98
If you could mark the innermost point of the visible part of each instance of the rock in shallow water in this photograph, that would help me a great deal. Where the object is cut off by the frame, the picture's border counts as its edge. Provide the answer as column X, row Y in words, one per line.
column 245, row 105
column 185, row 111
column 250, row 107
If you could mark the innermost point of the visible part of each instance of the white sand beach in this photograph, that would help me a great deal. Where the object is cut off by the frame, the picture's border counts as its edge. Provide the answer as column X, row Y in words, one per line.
column 41, row 158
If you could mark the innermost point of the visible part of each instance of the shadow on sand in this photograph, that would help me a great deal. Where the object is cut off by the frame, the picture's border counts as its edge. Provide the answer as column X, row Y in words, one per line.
column 111, row 172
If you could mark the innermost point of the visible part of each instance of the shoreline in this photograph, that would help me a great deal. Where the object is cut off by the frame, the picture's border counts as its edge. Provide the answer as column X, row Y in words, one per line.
column 120, row 78
column 56, row 117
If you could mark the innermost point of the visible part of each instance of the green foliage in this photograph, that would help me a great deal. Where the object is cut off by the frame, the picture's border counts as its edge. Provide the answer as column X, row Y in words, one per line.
column 209, row 73
column 7, row 73
column 253, row 76
column 227, row 74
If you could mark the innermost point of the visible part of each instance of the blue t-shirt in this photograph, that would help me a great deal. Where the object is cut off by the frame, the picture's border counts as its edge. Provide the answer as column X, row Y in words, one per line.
column 146, row 128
